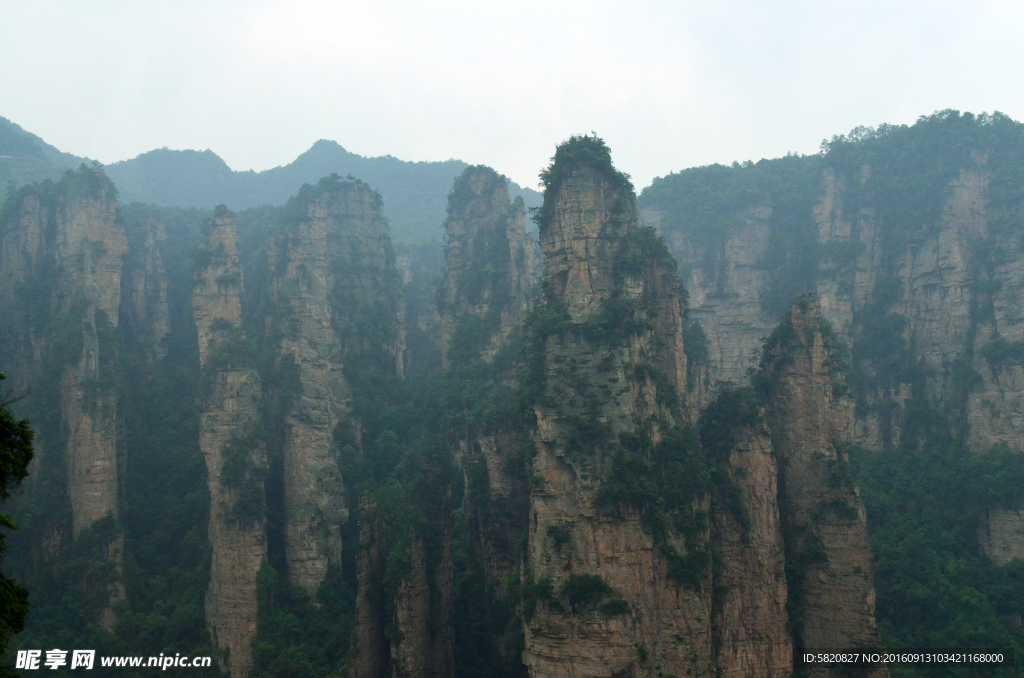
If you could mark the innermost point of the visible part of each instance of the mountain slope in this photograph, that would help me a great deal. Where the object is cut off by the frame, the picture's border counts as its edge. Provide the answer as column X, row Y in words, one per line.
column 414, row 193
column 25, row 158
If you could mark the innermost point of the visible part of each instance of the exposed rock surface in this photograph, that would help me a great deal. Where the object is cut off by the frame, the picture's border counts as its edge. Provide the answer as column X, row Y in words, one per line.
column 1002, row 535
column 491, row 263
column 822, row 514
column 751, row 624
column 725, row 292
column 61, row 256
column 483, row 299
column 946, row 286
column 230, row 436
column 422, row 608
column 336, row 290
column 217, row 288
column 26, row 252
column 369, row 653
column 144, row 307
column 486, row 292
column 595, row 262
column 90, row 249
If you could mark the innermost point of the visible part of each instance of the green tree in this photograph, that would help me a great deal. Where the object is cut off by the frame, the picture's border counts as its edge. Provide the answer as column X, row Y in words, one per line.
column 15, row 454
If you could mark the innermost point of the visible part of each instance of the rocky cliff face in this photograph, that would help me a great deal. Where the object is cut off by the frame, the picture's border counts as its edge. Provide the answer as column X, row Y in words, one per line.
column 422, row 609
column 614, row 370
column 938, row 281
column 26, row 248
column 491, row 264
column 336, row 291
column 486, row 293
column 483, row 300
column 752, row 635
column 916, row 269
column 368, row 656
column 623, row 587
column 89, row 248
column 822, row 515
column 725, row 289
column 63, row 250
column 144, row 309
column 231, row 437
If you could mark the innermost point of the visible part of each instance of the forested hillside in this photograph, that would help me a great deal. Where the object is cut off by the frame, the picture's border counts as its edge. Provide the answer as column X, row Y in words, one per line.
column 414, row 192
column 752, row 411
column 913, row 238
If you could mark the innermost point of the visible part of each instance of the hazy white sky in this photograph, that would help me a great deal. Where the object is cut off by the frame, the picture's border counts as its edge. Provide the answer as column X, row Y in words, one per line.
column 668, row 85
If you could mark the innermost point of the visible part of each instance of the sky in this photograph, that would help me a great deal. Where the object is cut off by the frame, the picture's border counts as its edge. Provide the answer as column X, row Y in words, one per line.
column 668, row 85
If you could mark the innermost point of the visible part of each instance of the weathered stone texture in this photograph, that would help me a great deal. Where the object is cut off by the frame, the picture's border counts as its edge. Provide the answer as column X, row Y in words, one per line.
column 422, row 609
column 90, row 246
column 313, row 488
column 668, row 628
column 337, row 291
column 823, row 517
column 725, row 289
column 230, row 427
column 144, row 292
column 368, row 656
column 751, row 624
column 491, row 263
column 217, row 297
column 1002, row 535
column 26, row 249
column 954, row 289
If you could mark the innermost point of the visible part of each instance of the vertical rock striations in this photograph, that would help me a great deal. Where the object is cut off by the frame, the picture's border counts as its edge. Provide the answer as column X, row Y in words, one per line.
column 613, row 367
column 482, row 304
column 231, row 438
column 825, row 527
column 751, row 624
column 368, row 653
column 26, row 258
column 60, row 294
column 909, row 236
column 337, row 303
column 422, row 608
column 90, row 247
column 144, row 309
column 490, row 262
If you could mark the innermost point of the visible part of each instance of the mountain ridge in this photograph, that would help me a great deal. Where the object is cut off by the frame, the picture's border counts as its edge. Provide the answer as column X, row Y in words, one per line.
column 414, row 192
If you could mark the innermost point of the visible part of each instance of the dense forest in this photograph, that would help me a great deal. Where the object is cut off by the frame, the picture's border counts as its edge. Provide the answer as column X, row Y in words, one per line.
column 495, row 425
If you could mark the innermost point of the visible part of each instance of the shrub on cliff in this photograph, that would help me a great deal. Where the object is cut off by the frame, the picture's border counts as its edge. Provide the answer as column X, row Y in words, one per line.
column 15, row 455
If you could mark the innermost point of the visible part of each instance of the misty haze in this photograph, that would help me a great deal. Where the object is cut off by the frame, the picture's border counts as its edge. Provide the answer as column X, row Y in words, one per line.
column 462, row 341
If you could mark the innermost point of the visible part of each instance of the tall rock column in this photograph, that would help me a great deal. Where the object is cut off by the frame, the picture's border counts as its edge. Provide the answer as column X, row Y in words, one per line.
column 61, row 256
column 90, row 246
column 751, row 623
column 483, row 301
column 613, row 371
column 144, row 290
column 490, row 263
column 486, row 294
column 26, row 244
column 232, row 440
column 337, row 296
column 823, row 519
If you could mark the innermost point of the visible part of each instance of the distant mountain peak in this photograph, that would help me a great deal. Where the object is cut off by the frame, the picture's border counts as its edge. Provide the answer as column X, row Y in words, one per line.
column 327, row 145
column 189, row 155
